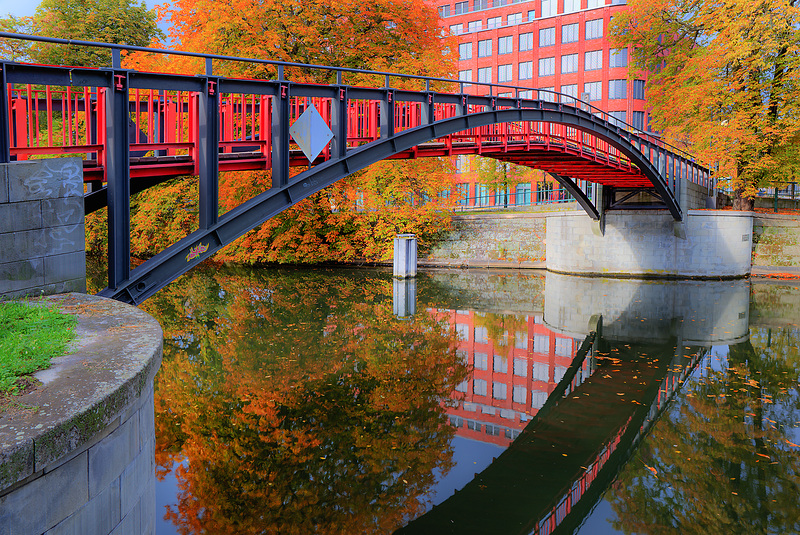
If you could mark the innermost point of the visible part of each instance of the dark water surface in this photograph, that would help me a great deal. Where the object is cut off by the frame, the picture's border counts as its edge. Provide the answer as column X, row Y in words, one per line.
column 341, row 401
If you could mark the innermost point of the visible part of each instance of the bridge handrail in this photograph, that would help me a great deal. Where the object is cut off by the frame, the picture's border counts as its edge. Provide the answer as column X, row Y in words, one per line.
column 577, row 103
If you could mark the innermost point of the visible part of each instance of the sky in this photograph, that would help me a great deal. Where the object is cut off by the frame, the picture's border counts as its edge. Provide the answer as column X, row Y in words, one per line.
column 22, row 8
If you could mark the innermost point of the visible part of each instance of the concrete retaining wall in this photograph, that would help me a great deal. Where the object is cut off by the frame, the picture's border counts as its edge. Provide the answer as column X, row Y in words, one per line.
column 693, row 196
column 492, row 240
column 776, row 240
column 77, row 455
column 42, row 240
column 645, row 244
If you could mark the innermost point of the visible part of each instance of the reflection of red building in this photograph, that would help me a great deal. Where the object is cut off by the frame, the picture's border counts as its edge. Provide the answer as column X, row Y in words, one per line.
column 516, row 363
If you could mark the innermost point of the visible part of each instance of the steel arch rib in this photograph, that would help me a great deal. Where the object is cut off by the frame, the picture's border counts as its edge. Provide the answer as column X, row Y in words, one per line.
column 180, row 257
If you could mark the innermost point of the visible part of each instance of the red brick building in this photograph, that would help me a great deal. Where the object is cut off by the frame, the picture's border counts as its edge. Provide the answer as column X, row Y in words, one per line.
column 561, row 45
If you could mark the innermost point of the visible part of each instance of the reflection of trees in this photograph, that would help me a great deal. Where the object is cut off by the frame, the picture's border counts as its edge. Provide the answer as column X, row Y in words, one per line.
column 723, row 460
column 300, row 403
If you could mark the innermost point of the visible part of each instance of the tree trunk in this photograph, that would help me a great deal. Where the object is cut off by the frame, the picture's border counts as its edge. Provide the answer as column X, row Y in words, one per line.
column 745, row 204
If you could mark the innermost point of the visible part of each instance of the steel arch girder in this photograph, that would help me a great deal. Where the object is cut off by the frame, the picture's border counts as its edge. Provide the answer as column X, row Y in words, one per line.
column 180, row 257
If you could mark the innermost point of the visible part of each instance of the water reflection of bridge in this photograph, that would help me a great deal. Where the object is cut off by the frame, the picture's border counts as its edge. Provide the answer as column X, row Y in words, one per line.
column 601, row 402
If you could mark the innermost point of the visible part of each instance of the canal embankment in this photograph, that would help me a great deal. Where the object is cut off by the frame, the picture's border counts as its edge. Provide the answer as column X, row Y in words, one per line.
column 77, row 452
column 518, row 240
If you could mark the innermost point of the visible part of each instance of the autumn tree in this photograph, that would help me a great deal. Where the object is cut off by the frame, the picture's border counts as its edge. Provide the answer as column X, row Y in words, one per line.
column 723, row 77
column 108, row 21
column 354, row 219
column 500, row 176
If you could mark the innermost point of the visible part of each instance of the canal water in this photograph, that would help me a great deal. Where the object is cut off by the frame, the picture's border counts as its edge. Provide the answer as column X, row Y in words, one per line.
column 341, row 401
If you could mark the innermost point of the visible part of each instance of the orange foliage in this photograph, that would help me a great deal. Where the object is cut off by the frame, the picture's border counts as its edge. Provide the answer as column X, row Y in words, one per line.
column 298, row 403
column 724, row 77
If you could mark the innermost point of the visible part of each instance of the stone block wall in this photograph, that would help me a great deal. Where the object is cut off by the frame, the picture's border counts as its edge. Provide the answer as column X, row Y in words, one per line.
column 492, row 240
column 647, row 244
column 693, row 196
column 42, row 240
column 776, row 240
column 107, row 487
column 81, row 460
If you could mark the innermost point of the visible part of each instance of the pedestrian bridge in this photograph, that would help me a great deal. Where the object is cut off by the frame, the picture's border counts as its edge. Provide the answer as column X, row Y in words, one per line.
column 136, row 129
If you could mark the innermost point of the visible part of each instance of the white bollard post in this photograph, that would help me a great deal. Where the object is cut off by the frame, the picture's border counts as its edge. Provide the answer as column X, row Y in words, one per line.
column 405, row 256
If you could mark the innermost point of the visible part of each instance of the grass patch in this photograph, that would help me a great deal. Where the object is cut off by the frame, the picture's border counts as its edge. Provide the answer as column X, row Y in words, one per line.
column 30, row 335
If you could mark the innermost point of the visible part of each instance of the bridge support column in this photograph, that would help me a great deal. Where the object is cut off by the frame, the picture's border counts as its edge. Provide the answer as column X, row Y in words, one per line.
column 647, row 243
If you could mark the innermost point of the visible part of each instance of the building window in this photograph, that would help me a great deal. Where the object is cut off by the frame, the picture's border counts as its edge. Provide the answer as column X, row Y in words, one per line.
column 547, row 37
column 481, row 361
column 618, row 58
column 638, row 89
column 526, row 94
column 504, row 73
column 499, row 390
column 514, row 18
column 465, row 51
column 596, row 3
column 485, row 75
column 444, row 11
column 505, row 45
column 525, row 41
column 563, row 348
column 593, row 60
column 531, row 15
column 617, row 89
column 541, row 370
column 617, row 118
column 465, row 76
column 525, row 70
column 571, row 6
column 594, row 90
column 520, row 394
column 638, row 120
column 500, row 3
column 479, row 389
column 549, row 8
column 594, row 29
column 462, row 191
column 569, row 33
column 547, row 66
column 456, row 29
column 569, row 63
column 485, row 48
column 461, row 8
column 500, row 364
column 475, row 26
column 547, row 94
column 493, row 22
column 480, row 4
column 569, row 94
column 521, row 365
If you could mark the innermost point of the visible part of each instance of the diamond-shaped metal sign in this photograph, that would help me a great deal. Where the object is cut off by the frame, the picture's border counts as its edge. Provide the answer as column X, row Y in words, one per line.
column 311, row 133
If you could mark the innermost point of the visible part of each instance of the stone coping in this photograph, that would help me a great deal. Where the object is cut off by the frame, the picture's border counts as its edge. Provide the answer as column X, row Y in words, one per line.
column 84, row 394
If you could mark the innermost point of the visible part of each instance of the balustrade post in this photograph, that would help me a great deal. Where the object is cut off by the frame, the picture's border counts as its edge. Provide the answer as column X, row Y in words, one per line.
column 118, row 178
column 387, row 114
column 5, row 127
column 208, row 152
column 280, row 135
column 339, row 109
